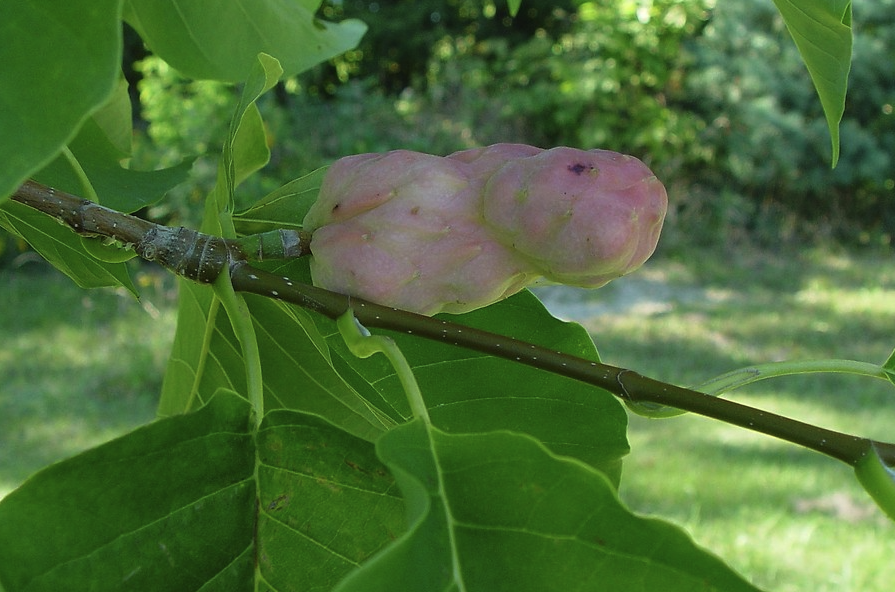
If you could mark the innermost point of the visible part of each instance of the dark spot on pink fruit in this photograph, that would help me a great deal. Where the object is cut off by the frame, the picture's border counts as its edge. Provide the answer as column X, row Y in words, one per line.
column 336, row 207
column 577, row 168
column 415, row 210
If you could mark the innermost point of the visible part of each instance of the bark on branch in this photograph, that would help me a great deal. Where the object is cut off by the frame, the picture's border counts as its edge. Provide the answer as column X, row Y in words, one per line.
column 202, row 258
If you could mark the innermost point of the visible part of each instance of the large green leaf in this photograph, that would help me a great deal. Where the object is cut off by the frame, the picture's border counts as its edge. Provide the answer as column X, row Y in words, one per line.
column 822, row 32
column 219, row 40
column 62, row 248
column 498, row 511
column 201, row 501
column 283, row 208
column 93, row 163
column 299, row 373
column 327, row 503
column 473, row 392
column 61, row 61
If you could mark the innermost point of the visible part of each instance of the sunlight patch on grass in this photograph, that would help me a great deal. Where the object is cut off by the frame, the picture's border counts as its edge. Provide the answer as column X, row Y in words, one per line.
column 865, row 300
column 80, row 367
column 790, row 519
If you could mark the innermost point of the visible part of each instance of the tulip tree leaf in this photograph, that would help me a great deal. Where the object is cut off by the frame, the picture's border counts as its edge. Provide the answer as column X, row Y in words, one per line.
column 498, row 511
column 283, row 208
column 205, row 39
column 98, row 150
column 61, row 61
column 245, row 148
column 63, row 248
column 473, row 392
column 200, row 501
column 299, row 373
column 823, row 34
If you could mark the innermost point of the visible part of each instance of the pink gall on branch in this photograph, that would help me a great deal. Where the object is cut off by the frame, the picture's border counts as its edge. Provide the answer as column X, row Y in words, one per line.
column 437, row 234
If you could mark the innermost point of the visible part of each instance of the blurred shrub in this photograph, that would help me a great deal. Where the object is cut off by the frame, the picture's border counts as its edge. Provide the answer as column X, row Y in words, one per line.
column 180, row 118
column 402, row 34
column 611, row 81
column 767, row 136
column 611, row 76
column 715, row 99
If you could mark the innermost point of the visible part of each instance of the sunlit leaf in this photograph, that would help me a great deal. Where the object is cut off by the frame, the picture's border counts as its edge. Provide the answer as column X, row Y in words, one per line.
column 219, row 40
column 245, row 148
column 822, row 32
column 199, row 501
column 498, row 511
column 283, row 208
column 201, row 359
column 61, row 61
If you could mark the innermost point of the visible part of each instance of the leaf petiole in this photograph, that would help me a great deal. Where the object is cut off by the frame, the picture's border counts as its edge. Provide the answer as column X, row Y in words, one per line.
column 86, row 185
column 363, row 345
column 729, row 381
column 241, row 321
column 741, row 377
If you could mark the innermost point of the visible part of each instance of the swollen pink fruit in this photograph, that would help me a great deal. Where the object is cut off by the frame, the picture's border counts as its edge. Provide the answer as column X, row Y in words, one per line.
column 403, row 229
column 451, row 234
column 580, row 218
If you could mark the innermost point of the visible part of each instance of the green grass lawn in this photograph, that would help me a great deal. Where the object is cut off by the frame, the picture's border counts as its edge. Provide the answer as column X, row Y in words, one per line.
column 80, row 367
column 788, row 518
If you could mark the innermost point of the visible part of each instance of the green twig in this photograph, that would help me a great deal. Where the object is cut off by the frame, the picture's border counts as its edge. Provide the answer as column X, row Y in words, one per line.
column 730, row 381
column 203, row 258
column 626, row 384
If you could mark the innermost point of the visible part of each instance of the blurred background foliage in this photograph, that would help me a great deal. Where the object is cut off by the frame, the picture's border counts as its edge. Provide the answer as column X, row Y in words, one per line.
column 711, row 94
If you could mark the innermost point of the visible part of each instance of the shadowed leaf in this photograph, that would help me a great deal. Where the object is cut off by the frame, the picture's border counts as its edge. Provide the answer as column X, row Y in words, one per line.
column 63, row 248
column 194, row 501
column 498, row 511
